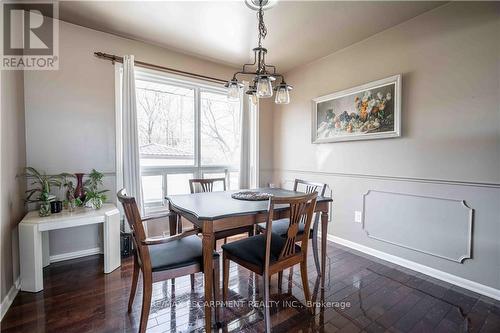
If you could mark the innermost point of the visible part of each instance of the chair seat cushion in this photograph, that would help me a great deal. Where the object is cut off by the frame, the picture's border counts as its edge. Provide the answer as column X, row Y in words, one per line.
column 280, row 227
column 252, row 249
column 176, row 254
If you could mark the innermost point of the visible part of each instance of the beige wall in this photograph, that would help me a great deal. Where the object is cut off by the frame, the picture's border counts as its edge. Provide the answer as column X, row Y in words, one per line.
column 70, row 121
column 449, row 59
column 266, row 117
column 13, row 151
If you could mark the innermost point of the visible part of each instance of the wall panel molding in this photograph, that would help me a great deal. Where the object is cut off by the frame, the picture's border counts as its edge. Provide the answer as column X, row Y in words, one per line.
column 393, row 178
column 436, row 226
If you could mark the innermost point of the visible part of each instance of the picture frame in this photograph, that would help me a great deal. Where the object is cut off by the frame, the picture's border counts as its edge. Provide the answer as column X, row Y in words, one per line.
column 368, row 111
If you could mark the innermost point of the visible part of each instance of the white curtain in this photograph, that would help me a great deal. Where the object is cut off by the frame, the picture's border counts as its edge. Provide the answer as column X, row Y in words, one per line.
column 130, row 134
column 245, row 168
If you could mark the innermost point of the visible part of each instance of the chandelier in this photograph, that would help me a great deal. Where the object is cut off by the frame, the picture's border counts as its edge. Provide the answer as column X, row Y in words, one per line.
column 263, row 75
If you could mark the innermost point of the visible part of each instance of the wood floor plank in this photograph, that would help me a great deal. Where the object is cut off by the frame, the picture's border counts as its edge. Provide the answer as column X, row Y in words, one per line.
column 361, row 294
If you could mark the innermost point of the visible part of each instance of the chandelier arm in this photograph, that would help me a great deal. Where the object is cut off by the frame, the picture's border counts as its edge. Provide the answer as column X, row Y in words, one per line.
column 276, row 75
column 280, row 76
column 245, row 65
column 244, row 73
column 273, row 67
column 254, row 61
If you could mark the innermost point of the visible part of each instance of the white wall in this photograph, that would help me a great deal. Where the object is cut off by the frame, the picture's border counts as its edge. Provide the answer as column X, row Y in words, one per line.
column 70, row 121
column 13, row 148
column 450, row 144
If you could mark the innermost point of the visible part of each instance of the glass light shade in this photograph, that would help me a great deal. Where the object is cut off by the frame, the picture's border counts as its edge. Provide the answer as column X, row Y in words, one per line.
column 233, row 92
column 282, row 95
column 264, row 87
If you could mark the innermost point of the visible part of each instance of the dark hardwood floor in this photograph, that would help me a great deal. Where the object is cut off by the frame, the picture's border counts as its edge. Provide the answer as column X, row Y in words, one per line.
column 362, row 294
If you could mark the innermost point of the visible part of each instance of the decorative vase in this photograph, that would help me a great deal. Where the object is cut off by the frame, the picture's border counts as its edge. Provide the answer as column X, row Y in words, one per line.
column 79, row 192
column 44, row 209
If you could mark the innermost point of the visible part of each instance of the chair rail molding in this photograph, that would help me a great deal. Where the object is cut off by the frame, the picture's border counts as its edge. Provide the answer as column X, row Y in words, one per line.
column 438, row 218
column 386, row 177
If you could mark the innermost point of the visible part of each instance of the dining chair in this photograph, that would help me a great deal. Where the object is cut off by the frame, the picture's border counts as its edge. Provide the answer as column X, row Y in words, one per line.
column 280, row 226
column 269, row 253
column 162, row 258
column 207, row 185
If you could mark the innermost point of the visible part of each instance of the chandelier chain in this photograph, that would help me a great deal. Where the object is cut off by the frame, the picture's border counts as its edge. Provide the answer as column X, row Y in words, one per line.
column 262, row 26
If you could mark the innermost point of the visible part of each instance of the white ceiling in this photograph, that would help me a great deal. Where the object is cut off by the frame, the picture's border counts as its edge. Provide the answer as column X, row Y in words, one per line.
column 225, row 31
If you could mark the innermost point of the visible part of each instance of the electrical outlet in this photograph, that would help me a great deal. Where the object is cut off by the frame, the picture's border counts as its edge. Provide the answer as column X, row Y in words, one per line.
column 357, row 216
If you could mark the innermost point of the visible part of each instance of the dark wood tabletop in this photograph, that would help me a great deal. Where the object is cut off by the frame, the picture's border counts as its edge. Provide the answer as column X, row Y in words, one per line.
column 218, row 205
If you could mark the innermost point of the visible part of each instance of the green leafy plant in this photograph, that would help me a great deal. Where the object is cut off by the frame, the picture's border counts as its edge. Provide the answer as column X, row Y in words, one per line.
column 40, row 193
column 94, row 198
column 78, row 202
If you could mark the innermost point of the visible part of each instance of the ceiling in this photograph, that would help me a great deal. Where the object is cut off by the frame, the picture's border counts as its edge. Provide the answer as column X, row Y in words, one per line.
column 226, row 31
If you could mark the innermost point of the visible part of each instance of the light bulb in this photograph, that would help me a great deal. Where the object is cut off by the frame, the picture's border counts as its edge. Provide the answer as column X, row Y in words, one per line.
column 264, row 87
column 282, row 95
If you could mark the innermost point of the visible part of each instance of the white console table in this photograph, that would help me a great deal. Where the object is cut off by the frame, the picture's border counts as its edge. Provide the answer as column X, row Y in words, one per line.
column 34, row 245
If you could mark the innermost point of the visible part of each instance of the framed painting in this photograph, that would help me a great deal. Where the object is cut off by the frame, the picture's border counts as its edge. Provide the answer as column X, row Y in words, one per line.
column 369, row 111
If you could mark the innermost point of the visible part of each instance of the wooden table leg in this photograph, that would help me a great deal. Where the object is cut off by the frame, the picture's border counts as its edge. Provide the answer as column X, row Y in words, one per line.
column 315, row 244
column 324, row 233
column 172, row 223
column 208, row 246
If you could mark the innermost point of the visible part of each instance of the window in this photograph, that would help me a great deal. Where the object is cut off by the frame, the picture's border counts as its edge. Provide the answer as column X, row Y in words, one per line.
column 166, row 121
column 186, row 130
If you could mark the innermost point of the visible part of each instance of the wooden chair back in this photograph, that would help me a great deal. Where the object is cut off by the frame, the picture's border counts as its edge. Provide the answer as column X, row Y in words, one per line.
column 301, row 211
column 205, row 184
column 134, row 220
column 310, row 187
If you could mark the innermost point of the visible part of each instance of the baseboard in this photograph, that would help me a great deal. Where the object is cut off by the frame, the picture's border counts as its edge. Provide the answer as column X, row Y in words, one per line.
column 9, row 298
column 75, row 254
column 458, row 281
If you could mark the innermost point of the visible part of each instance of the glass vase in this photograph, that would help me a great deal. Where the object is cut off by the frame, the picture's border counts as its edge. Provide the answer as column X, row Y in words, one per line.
column 44, row 209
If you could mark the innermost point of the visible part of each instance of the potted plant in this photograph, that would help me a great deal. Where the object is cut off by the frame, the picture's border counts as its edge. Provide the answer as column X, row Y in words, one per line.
column 42, row 183
column 94, row 198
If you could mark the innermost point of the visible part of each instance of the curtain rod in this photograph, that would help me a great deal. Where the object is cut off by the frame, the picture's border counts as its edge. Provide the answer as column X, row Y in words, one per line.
column 114, row 58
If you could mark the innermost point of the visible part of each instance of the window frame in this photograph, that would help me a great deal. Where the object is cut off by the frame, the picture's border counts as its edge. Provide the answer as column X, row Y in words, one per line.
column 197, row 169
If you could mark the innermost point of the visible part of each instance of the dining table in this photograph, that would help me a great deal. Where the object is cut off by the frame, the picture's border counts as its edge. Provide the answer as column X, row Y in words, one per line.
column 213, row 212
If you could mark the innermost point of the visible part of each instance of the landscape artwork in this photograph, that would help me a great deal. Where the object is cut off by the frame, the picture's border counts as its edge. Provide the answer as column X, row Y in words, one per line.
column 370, row 111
